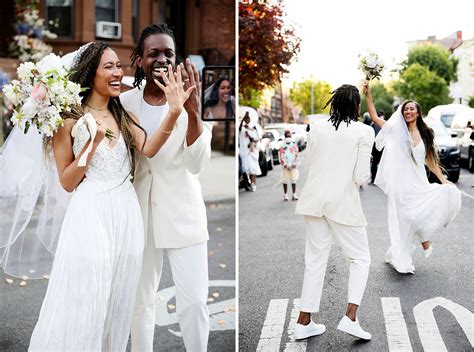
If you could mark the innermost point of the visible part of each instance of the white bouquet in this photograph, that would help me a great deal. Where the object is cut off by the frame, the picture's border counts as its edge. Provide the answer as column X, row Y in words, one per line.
column 371, row 65
column 42, row 94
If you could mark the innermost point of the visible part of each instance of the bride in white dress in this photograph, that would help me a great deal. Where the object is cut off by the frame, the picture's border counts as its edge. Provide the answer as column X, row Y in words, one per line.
column 91, row 293
column 416, row 208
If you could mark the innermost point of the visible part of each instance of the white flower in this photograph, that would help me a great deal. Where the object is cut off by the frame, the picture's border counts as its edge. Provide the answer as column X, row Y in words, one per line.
column 9, row 91
column 17, row 118
column 57, row 88
column 46, row 129
column 73, row 88
column 24, row 57
column 24, row 71
column 49, row 63
column 370, row 62
column 29, row 108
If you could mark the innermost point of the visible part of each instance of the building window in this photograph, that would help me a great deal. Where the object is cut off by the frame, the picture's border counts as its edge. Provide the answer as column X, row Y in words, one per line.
column 106, row 10
column 60, row 12
column 135, row 28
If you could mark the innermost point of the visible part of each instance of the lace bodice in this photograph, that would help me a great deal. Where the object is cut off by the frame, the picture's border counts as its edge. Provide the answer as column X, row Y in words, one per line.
column 107, row 163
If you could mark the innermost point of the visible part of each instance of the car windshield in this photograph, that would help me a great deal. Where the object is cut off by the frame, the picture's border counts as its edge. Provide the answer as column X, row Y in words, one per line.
column 447, row 119
column 438, row 128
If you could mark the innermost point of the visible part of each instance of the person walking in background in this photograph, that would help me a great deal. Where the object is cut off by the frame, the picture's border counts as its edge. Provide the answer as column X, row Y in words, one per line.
column 246, row 134
column 253, row 168
column 288, row 156
column 338, row 162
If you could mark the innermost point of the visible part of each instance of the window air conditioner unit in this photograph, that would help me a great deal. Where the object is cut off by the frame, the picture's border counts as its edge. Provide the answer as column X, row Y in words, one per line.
column 109, row 30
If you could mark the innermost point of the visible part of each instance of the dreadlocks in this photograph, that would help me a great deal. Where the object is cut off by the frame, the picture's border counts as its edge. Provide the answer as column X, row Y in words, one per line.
column 344, row 102
column 84, row 70
column 138, row 51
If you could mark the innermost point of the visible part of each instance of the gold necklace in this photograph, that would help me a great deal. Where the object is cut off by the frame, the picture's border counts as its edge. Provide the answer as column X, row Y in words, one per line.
column 97, row 109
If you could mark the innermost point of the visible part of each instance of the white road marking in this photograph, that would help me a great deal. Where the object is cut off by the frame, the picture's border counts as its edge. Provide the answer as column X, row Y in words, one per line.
column 467, row 195
column 221, row 313
column 273, row 325
column 428, row 328
column 397, row 332
column 293, row 345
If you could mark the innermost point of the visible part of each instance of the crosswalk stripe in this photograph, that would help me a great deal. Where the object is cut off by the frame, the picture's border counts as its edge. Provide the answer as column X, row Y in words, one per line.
column 292, row 345
column 397, row 332
column 273, row 326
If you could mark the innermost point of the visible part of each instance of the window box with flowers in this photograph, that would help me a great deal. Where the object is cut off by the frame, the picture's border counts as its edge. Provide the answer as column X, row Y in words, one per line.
column 28, row 44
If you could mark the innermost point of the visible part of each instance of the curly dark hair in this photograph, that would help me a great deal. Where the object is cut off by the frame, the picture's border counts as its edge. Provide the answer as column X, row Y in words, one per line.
column 344, row 102
column 427, row 135
column 161, row 28
column 83, row 73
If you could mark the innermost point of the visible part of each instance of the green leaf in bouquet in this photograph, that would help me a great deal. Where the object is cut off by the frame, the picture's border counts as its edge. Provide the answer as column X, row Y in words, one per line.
column 27, row 126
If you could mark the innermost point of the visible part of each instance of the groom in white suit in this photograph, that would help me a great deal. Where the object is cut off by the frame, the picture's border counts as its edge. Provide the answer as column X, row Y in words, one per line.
column 338, row 161
column 170, row 196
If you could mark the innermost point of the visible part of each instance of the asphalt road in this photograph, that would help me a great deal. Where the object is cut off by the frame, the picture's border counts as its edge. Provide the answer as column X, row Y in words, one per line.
column 19, row 306
column 271, row 247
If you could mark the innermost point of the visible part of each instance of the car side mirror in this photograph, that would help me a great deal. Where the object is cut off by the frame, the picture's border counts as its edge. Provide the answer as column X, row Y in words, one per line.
column 472, row 135
column 454, row 135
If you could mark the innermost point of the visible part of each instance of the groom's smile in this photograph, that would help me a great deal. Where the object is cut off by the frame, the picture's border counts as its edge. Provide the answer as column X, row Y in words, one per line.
column 158, row 53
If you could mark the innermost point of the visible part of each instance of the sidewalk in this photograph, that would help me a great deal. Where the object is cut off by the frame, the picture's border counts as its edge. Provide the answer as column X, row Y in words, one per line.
column 218, row 178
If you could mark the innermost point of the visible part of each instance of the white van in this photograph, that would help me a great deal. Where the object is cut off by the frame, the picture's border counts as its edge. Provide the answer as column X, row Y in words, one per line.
column 445, row 113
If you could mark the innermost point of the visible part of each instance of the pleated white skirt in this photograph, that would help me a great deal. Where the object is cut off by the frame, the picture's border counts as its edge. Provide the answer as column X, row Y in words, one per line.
column 91, row 293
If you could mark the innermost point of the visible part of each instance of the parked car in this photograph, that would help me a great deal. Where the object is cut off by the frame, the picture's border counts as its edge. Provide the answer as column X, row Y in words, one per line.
column 461, row 121
column 274, row 138
column 445, row 114
column 466, row 148
column 282, row 127
column 448, row 150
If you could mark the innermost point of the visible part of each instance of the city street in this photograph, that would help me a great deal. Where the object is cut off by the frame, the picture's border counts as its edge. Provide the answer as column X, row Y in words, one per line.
column 430, row 310
column 19, row 306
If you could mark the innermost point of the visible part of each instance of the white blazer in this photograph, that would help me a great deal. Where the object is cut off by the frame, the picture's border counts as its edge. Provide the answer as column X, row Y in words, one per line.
column 169, row 182
column 338, row 162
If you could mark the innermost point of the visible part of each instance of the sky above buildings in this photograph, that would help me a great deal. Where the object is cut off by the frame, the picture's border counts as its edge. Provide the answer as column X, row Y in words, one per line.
column 334, row 32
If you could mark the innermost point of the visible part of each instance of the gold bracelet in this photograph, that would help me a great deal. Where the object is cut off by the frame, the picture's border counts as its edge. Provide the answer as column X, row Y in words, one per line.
column 167, row 132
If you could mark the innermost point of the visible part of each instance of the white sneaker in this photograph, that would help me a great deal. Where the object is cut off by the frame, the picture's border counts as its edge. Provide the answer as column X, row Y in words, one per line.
column 285, row 198
column 253, row 188
column 305, row 331
column 427, row 252
column 353, row 328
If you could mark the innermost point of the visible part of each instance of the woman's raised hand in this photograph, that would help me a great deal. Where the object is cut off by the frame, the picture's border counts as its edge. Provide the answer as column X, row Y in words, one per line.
column 173, row 88
column 366, row 88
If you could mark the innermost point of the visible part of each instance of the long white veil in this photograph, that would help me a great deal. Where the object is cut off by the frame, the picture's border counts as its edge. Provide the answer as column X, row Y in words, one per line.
column 395, row 141
column 32, row 201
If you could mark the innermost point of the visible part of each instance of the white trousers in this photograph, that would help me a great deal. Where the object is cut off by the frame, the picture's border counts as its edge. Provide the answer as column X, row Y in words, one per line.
column 354, row 245
column 190, row 276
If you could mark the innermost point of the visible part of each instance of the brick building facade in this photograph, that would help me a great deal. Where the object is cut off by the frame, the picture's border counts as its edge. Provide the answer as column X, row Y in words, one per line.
column 201, row 27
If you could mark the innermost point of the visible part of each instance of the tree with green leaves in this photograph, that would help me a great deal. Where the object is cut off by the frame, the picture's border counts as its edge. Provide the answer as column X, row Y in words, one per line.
column 253, row 98
column 471, row 102
column 267, row 45
column 300, row 95
column 418, row 83
column 382, row 98
column 435, row 58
